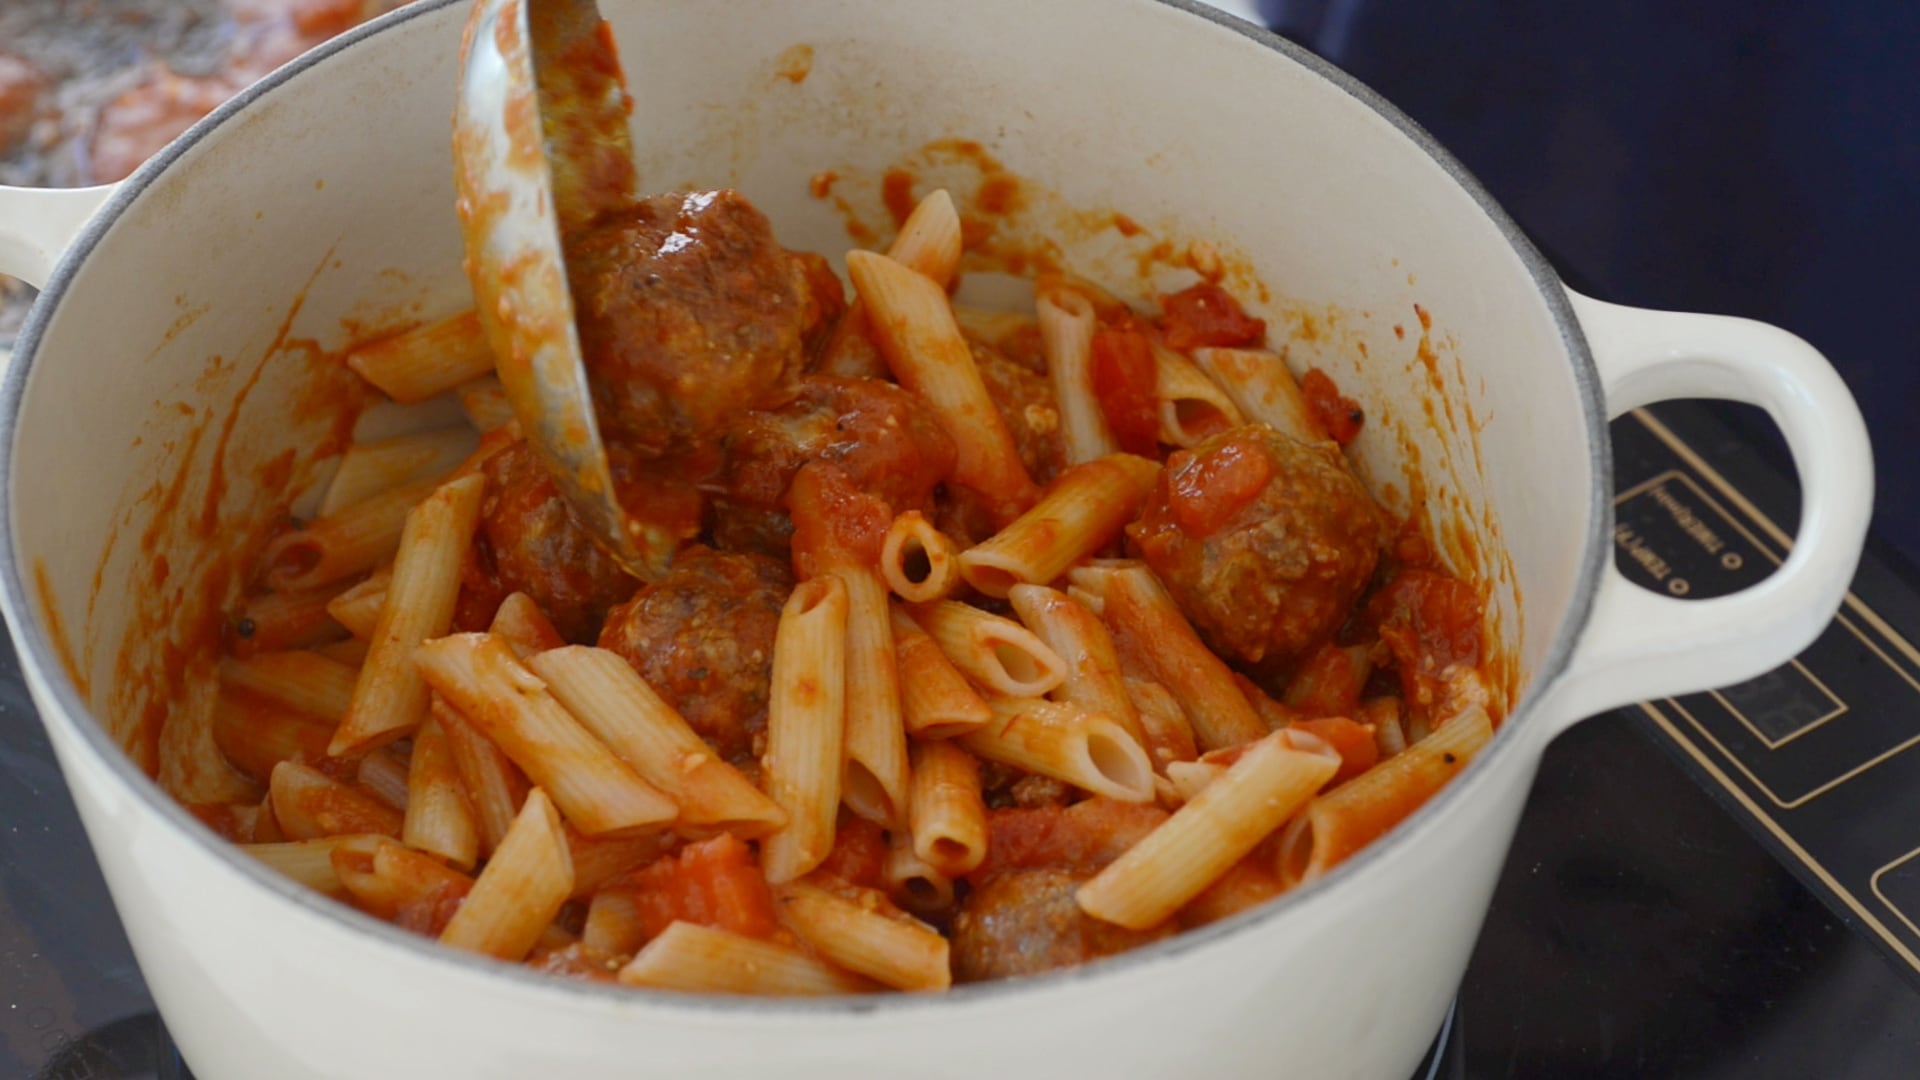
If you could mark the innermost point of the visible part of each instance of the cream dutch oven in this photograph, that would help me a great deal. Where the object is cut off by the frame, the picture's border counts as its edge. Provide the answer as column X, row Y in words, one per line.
column 180, row 344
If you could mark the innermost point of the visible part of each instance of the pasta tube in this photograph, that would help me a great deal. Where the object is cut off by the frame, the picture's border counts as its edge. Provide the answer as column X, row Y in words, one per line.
column 1083, row 509
column 1216, row 828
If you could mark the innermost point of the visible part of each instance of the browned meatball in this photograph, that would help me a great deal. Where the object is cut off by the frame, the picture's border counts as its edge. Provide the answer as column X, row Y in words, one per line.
column 688, row 312
column 887, row 441
column 702, row 637
column 1265, row 541
column 528, row 542
column 1026, row 402
column 1024, row 922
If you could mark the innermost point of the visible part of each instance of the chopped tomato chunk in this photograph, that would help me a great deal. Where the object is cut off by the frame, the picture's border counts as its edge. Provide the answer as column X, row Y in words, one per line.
column 1206, row 314
column 1433, row 625
column 1124, row 381
column 713, row 883
column 1329, row 683
column 1203, row 493
column 859, row 855
column 1339, row 416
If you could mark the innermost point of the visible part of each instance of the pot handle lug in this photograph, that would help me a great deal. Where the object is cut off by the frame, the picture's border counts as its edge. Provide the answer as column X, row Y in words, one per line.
column 38, row 224
column 1640, row 645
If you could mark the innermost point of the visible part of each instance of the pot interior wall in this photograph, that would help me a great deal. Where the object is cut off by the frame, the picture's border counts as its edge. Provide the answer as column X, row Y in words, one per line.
column 193, row 349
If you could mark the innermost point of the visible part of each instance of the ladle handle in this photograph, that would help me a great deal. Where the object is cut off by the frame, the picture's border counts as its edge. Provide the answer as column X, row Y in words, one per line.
column 1640, row 645
column 37, row 225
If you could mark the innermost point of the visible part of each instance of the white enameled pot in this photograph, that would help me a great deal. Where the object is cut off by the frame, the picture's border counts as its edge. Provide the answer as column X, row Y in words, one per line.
column 183, row 328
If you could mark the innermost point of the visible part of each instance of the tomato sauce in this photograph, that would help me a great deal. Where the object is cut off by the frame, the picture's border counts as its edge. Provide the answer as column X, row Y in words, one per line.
column 1207, row 315
column 1218, row 486
column 1124, row 381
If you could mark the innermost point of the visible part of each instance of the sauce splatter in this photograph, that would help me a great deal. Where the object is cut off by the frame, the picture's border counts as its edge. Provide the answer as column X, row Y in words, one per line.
column 795, row 63
column 896, row 190
column 57, row 628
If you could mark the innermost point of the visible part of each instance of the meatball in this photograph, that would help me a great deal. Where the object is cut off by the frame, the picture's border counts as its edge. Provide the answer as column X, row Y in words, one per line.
column 528, row 542
column 688, row 311
column 702, row 637
column 1024, row 922
column 1263, row 540
column 886, row 441
column 1026, row 403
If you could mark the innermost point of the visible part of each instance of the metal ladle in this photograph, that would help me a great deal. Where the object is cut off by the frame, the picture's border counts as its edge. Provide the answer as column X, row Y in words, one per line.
column 540, row 149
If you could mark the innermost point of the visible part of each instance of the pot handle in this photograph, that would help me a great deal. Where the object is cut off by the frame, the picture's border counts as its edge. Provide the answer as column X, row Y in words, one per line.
column 1639, row 645
column 38, row 224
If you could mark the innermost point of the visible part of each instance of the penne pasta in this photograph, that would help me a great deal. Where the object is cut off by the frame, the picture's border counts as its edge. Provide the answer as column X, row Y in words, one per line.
column 439, row 819
column 524, row 627
column 928, row 244
column 416, row 364
column 947, row 817
column 935, row 700
column 283, row 620
column 1094, row 681
column 920, row 563
column 390, row 696
column 998, row 654
column 1263, row 389
column 914, row 328
column 1087, row 582
column 911, row 882
column 702, row 959
column 1384, row 714
column 1081, row 512
column 1190, row 777
column 1192, row 408
column 805, row 727
column 349, row 651
column 875, row 781
column 598, row 792
column 1356, row 813
column 1138, row 608
column 384, row 777
column 1067, row 324
column 612, row 701
column 515, row 898
column 254, row 736
column 903, row 953
column 367, row 469
column 613, row 923
column 495, row 786
column 929, row 240
column 484, row 401
column 309, row 862
column 600, row 860
column 337, row 547
column 266, row 827
column 1217, row 827
column 358, row 608
column 993, row 326
column 309, row 804
column 304, row 681
column 1168, row 735
column 389, row 419
column 385, row 879
column 1086, row 749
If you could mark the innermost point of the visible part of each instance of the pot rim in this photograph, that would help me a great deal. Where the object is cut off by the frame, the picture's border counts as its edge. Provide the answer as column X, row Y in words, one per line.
column 32, row 641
